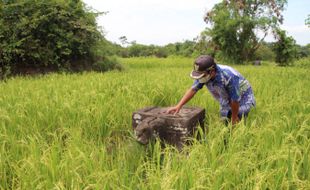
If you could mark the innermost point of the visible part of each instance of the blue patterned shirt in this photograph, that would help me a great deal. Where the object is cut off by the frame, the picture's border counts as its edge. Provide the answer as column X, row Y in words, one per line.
column 229, row 85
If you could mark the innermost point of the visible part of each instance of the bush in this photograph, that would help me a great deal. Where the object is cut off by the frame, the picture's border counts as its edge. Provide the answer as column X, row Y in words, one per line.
column 285, row 48
column 46, row 34
column 108, row 63
column 264, row 52
column 303, row 51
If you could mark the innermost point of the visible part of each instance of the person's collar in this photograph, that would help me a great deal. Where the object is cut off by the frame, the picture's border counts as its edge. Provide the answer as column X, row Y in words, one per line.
column 217, row 76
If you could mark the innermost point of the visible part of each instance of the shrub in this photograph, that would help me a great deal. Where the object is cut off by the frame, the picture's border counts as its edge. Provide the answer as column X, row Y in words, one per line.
column 46, row 34
column 107, row 63
column 264, row 52
column 285, row 48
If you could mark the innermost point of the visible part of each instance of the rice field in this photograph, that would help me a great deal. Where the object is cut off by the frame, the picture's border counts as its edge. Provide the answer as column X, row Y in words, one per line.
column 63, row 131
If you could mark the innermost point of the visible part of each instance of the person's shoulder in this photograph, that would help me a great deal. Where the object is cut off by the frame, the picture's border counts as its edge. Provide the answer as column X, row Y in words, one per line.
column 224, row 67
column 229, row 71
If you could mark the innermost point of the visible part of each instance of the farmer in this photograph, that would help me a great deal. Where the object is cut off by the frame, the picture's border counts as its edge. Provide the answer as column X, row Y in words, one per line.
column 227, row 86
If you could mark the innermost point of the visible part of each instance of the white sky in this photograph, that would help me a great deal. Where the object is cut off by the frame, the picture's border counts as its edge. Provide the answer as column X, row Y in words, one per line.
column 166, row 21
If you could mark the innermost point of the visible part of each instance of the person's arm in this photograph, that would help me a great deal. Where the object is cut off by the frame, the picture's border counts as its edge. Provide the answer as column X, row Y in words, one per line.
column 187, row 96
column 234, row 105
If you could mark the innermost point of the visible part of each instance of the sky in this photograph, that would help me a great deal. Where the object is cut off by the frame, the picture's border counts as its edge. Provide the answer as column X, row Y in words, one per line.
column 161, row 22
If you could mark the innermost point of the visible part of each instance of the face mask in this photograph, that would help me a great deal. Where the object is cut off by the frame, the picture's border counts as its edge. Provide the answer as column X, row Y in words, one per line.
column 205, row 79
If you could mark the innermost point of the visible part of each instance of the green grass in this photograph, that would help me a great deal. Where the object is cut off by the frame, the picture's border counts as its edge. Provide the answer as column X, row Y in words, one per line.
column 74, row 131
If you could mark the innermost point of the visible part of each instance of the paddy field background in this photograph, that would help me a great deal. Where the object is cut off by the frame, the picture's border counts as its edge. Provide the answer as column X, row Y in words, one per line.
column 73, row 131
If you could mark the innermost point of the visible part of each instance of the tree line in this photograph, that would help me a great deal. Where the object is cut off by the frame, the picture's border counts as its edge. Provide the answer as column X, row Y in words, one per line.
column 192, row 48
column 62, row 35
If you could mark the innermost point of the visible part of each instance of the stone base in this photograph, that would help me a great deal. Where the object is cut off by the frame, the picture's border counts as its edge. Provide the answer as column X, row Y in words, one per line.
column 153, row 122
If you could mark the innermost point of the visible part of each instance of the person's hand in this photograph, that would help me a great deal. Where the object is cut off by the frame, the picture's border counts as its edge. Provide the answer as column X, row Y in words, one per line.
column 173, row 110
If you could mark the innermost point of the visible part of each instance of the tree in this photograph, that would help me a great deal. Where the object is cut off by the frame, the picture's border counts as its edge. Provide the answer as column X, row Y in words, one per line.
column 47, row 33
column 204, row 44
column 285, row 48
column 264, row 52
column 308, row 21
column 303, row 51
column 235, row 25
column 123, row 40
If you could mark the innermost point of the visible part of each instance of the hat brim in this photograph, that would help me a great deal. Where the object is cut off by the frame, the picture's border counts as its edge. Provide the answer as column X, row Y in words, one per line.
column 196, row 75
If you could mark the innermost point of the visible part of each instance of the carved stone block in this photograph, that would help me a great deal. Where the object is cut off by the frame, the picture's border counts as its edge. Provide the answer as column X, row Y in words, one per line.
column 152, row 122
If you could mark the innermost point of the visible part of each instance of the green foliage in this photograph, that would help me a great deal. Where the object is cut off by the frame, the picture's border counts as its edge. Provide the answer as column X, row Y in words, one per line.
column 139, row 50
column 107, row 63
column 264, row 52
column 60, row 131
column 234, row 26
column 285, row 48
column 307, row 21
column 204, row 44
column 46, row 33
column 303, row 51
column 185, row 49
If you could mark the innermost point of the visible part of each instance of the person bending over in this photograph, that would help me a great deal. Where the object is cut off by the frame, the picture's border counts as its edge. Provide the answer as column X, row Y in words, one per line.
column 227, row 86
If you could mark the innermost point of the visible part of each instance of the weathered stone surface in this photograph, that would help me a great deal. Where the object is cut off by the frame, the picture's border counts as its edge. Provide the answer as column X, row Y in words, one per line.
column 152, row 122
